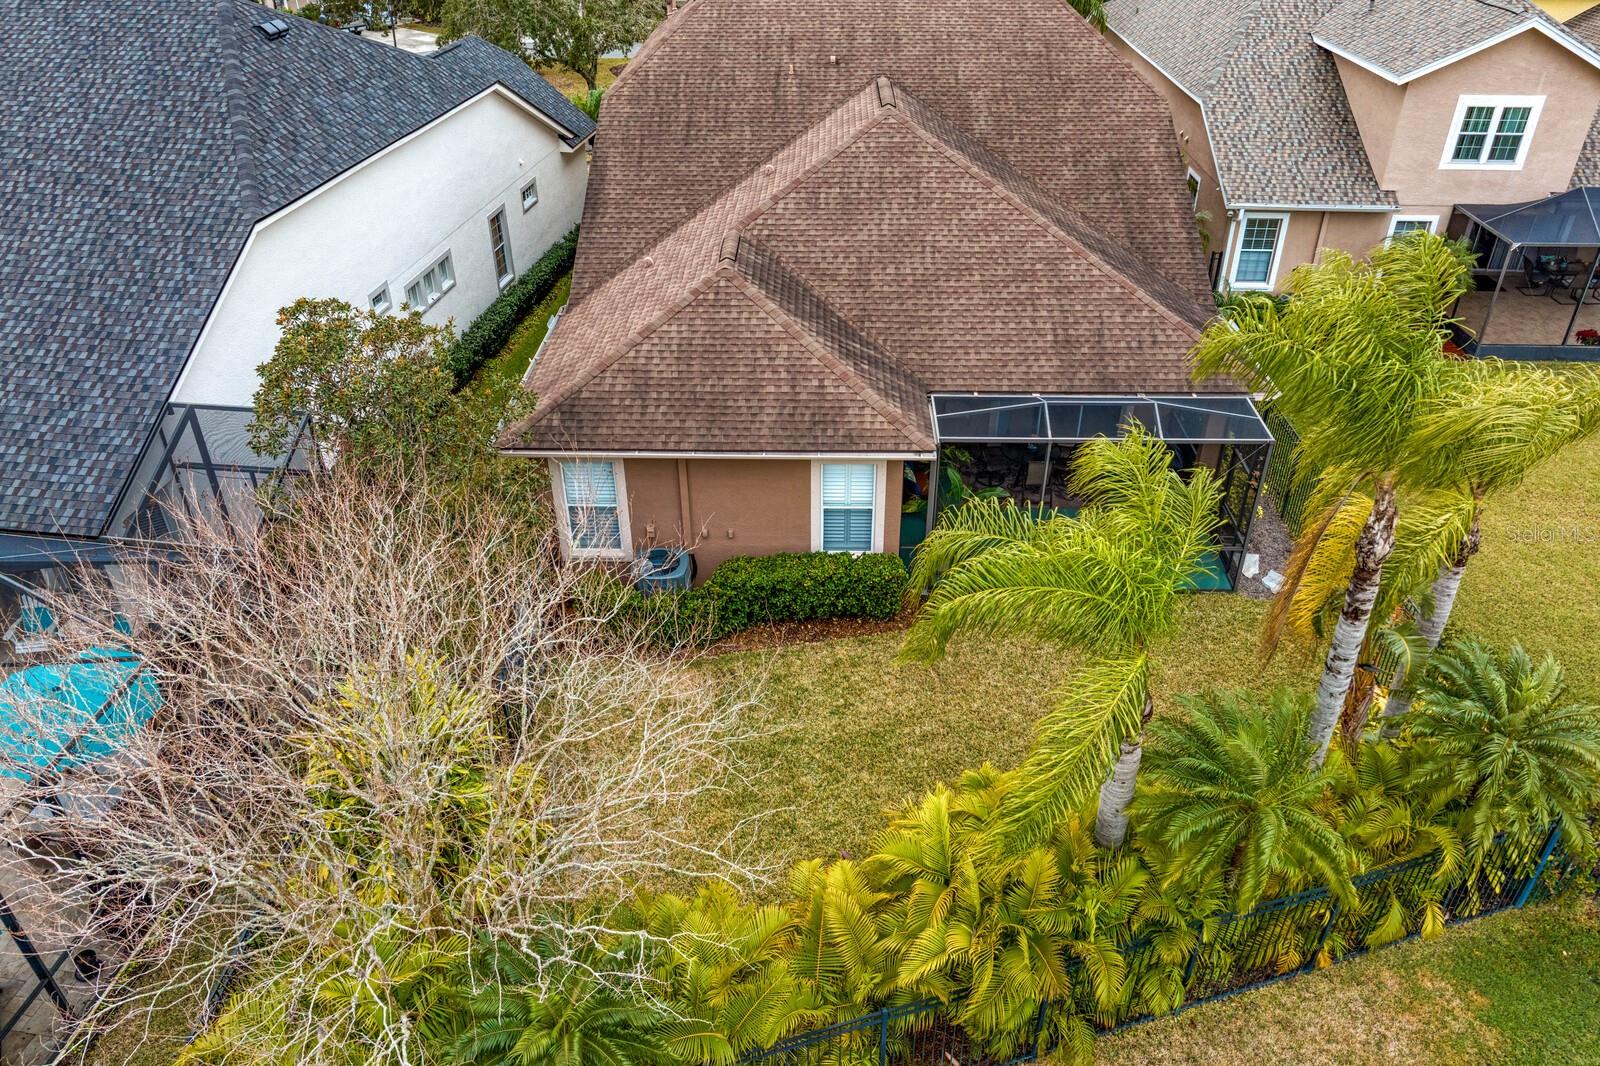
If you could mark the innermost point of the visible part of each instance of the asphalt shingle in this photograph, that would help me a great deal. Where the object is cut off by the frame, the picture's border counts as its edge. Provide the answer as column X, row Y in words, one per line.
column 140, row 145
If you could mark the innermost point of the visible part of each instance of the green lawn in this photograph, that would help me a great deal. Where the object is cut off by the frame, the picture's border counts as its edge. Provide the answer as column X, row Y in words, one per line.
column 1520, row 987
column 504, row 372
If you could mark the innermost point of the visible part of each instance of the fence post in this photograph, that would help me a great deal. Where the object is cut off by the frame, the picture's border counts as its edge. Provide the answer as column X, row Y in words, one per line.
column 883, row 1037
column 1194, row 959
column 1327, row 927
column 1532, row 882
column 1038, row 1030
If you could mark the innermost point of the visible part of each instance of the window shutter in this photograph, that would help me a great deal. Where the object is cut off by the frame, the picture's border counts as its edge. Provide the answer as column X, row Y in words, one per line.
column 849, row 506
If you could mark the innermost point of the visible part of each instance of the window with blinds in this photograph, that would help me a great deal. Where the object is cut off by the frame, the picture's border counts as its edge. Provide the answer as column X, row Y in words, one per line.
column 849, row 506
column 594, row 518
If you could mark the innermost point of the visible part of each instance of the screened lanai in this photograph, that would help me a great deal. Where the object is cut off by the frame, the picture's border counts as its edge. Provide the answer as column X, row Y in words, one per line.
column 1020, row 445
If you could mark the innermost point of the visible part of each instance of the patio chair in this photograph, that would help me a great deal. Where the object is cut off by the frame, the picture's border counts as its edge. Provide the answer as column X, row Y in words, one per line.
column 1537, row 280
column 30, row 632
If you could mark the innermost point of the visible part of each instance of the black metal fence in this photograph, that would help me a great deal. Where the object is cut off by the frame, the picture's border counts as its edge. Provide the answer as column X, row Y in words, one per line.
column 1290, row 489
column 1236, row 952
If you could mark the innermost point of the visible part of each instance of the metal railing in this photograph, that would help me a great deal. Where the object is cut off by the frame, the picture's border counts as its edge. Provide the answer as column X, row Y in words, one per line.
column 1275, row 941
column 1290, row 488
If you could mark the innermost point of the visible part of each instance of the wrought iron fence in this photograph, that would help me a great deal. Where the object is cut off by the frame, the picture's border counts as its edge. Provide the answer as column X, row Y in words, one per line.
column 1236, row 952
column 1290, row 488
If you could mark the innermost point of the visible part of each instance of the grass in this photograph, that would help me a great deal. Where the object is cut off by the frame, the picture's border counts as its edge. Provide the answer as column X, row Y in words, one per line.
column 504, row 372
column 1518, row 987
column 572, row 84
column 1534, row 580
column 849, row 732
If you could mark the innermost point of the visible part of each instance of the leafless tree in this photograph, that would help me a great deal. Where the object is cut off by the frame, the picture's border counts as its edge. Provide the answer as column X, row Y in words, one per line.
column 390, row 725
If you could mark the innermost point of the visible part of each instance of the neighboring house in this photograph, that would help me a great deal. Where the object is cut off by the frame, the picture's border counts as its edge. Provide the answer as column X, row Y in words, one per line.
column 827, row 247
column 173, row 176
column 1312, row 124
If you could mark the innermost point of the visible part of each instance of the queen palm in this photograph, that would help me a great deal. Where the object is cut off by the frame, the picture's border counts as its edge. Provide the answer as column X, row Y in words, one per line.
column 1503, row 744
column 1350, row 359
column 1227, row 790
column 1494, row 425
column 1105, row 582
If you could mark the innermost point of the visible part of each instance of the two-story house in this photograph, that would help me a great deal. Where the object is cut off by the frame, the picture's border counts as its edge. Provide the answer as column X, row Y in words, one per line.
column 1314, row 124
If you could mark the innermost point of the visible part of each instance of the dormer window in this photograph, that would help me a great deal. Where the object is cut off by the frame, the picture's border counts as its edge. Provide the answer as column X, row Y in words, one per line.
column 1491, row 131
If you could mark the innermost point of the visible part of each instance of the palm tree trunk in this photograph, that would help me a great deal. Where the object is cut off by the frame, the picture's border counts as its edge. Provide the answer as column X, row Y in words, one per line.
column 1111, row 819
column 1431, row 628
column 1372, row 549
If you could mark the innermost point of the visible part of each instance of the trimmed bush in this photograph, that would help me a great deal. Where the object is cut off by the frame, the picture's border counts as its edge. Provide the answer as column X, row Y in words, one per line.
column 805, row 587
column 491, row 330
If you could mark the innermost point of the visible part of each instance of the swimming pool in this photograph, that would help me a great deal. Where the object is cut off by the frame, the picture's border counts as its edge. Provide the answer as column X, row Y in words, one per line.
column 72, row 714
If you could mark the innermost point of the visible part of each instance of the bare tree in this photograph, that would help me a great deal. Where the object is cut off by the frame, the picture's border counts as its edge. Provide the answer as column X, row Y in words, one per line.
column 389, row 727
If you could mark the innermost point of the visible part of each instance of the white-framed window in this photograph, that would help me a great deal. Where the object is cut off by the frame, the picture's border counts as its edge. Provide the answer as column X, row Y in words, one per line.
column 1400, row 225
column 500, row 248
column 1259, row 248
column 434, row 282
column 1491, row 132
column 1192, row 180
column 379, row 300
column 530, row 194
column 592, row 500
column 847, row 512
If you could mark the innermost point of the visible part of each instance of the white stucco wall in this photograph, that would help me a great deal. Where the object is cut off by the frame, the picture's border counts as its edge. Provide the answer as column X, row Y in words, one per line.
column 385, row 223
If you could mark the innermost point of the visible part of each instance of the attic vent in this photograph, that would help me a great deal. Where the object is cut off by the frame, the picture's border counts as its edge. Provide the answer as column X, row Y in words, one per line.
column 272, row 29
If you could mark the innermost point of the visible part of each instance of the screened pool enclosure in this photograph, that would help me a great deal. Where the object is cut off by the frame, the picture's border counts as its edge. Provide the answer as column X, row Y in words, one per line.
column 1019, row 446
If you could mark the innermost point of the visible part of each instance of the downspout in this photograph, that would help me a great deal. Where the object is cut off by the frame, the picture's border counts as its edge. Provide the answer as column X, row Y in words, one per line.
column 1225, row 270
column 1322, row 231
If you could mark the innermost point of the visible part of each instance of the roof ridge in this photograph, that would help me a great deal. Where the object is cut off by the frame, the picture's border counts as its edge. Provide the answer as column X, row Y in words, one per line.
column 239, row 114
column 841, row 367
column 998, row 183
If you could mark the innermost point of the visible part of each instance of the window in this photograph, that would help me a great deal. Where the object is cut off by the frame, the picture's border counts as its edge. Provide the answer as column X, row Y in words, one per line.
column 847, row 507
column 1491, row 131
column 1400, row 225
column 1255, row 263
column 530, row 194
column 500, row 248
column 380, row 300
column 434, row 283
column 1193, row 181
column 591, row 500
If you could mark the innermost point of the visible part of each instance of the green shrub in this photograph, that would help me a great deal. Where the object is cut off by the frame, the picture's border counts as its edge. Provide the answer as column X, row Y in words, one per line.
column 491, row 330
column 792, row 587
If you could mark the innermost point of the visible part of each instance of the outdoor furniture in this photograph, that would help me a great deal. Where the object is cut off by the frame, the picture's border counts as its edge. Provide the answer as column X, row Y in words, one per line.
column 30, row 633
column 1536, row 280
column 1563, row 272
column 663, row 570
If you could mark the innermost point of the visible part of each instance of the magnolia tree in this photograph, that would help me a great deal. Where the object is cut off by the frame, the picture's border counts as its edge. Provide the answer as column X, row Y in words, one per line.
column 389, row 729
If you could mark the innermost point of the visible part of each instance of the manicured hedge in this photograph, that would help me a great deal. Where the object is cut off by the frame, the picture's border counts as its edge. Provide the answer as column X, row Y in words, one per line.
column 805, row 587
column 490, row 331
column 750, row 590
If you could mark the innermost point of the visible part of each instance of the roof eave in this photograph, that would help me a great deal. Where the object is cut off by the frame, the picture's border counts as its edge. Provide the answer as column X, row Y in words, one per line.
column 1554, row 33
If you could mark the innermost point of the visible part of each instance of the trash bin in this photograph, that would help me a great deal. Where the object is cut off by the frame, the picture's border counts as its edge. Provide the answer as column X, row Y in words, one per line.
column 663, row 569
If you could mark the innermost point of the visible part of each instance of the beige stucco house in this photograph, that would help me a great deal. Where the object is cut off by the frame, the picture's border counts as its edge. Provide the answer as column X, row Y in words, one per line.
column 1314, row 124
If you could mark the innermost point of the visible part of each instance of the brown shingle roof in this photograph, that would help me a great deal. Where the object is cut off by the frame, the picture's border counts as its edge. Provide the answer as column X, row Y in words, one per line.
column 882, row 253
column 723, row 85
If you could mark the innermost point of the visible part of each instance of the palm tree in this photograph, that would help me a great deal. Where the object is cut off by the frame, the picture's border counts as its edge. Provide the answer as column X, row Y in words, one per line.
column 525, row 1015
column 1495, row 424
column 1105, row 582
column 1350, row 360
column 1503, row 743
column 1227, row 789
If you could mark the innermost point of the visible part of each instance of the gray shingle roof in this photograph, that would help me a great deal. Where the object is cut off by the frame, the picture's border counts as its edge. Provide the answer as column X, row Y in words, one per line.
column 140, row 146
column 1403, row 37
column 1279, row 124
column 1586, row 27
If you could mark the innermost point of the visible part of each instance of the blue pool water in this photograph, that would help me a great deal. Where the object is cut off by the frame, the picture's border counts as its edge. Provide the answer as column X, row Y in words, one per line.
column 72, row 714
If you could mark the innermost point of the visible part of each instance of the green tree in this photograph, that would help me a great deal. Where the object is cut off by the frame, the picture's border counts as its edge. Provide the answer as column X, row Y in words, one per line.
column 1227, row 789
column 575, row 34
column 1350, row 359
column 1093, row 12
column 1503, row 742
column 1106, row 582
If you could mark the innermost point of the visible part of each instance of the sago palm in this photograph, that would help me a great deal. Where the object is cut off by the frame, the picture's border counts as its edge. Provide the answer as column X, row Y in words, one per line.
column 1504, row 744
column 1227, row 789
column 1350, row 359
column 1106, row 582
column 524, row 1007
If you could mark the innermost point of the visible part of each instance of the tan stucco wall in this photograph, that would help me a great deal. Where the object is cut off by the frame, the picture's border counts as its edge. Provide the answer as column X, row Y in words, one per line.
column 1310, row 232
column 1356, row 232
column 1376, row 104
column 1562, row 10
column 735, row 506
column 1194, row 146
column 1528, row 64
